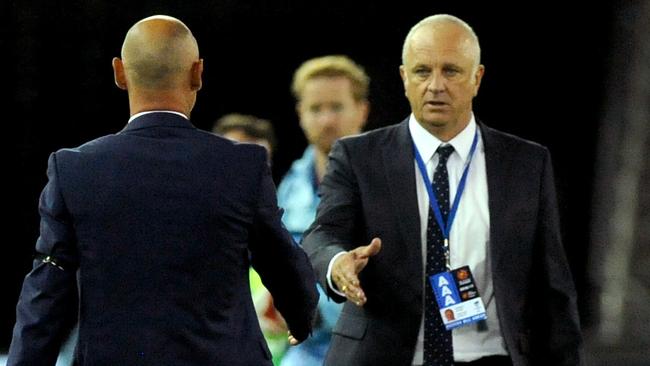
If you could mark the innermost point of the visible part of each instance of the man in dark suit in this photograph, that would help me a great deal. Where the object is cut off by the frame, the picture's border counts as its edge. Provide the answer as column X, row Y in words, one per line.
column 156, row 227
column 380, row 234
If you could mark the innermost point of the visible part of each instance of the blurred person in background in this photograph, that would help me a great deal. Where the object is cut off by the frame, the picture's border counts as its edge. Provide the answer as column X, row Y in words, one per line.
column 331, row 102
column 247, row 128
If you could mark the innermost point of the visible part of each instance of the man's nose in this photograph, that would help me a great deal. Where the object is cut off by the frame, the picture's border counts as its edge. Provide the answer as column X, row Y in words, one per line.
column 328, row 117
column 436, row 83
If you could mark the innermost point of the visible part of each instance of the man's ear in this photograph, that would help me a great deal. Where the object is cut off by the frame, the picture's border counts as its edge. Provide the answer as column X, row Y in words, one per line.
column 301, row 120
column 364, row 106
column 197, row 75
column 402, row 74
column 297, row 107
column 118, row 73
column 478, row 76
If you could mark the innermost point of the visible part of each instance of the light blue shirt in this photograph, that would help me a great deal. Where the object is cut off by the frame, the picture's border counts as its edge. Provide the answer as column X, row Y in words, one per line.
column 298, row 196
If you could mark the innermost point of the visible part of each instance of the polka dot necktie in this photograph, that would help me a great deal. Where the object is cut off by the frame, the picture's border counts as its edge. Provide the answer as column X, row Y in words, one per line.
column 438, row 347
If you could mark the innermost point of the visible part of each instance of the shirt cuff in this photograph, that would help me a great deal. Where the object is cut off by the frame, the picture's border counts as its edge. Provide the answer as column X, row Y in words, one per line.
column 329, row 275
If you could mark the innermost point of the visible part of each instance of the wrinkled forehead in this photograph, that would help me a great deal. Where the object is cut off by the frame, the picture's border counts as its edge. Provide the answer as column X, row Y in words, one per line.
column 442, row 40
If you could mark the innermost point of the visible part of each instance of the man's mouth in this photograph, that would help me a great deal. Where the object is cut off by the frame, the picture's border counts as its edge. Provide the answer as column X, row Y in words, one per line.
column 436, row 103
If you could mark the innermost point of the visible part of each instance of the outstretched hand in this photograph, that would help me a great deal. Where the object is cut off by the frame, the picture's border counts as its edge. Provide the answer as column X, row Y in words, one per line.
column 346, row 269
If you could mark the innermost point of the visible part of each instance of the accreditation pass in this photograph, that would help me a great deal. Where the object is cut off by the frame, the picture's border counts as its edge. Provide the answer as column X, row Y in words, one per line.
column 458, row 298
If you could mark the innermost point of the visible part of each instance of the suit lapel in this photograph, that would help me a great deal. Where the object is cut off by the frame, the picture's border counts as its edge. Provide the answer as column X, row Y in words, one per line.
column 497, row 167
column 400, row 175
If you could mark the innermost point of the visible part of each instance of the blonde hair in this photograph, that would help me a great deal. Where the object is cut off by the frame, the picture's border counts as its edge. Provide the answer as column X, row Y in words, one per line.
column 331, row 66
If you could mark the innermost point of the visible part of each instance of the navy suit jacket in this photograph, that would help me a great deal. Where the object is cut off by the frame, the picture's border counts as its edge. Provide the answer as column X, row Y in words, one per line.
column 156, row 227
column 370, row 191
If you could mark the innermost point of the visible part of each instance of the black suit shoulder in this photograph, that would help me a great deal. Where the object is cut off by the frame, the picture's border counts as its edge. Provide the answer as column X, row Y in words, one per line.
column 511, row 142
column 397, row 137
column 374, row 144
column 372, row 140
column 202, row 142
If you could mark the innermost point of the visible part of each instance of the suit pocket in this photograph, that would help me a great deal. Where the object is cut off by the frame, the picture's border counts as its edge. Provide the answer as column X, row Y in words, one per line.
column 524, row 343
column 351, row 326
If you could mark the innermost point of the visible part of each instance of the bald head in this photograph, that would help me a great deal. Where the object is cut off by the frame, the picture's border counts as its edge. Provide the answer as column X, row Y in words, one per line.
column 450, row 25
column 158, row 53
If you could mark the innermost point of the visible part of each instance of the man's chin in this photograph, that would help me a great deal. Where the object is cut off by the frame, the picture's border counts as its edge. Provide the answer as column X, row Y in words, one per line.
column 434, row 121
column 326, row 145
column 325, row 149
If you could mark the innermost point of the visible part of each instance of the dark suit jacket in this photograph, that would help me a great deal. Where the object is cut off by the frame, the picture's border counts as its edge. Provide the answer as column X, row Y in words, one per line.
column 369, row 191
column 157, row 226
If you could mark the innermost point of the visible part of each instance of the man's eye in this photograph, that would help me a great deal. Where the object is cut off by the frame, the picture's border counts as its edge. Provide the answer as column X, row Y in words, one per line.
column 337, row 107
column 421, row 72
column 451, row 72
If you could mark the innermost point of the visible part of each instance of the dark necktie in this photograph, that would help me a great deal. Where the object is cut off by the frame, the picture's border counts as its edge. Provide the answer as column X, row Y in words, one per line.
column 438, row 347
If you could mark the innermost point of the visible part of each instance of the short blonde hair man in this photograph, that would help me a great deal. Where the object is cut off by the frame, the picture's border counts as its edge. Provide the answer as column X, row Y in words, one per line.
column 331, row 102
column 331, row 66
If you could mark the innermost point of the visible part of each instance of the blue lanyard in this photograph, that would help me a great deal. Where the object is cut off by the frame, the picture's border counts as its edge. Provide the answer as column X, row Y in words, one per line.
column 433, row 202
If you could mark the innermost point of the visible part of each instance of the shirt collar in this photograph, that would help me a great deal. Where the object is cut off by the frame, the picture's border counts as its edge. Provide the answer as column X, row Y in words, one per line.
column 156, row 111
column 427, row 143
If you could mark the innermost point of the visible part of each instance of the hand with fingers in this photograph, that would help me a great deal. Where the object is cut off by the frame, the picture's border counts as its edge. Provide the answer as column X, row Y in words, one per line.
column 292, row 341
column 346, row 269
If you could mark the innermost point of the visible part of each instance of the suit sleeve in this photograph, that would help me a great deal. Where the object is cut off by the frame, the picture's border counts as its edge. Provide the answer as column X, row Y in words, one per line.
column 563, row 335
column 338, row 217
column 282, row 265
column 47, row 301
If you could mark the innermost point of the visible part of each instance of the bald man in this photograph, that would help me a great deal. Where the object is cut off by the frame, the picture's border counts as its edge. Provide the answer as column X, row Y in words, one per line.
column 438, row 192
column 155, row 227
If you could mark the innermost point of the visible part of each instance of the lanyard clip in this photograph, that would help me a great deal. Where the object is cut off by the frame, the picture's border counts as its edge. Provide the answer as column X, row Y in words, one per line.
column 447, row 256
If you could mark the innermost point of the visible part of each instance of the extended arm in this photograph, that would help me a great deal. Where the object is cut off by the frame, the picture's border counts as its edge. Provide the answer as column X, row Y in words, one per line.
column 335, row 233
column 47, row 300
column 283, row 266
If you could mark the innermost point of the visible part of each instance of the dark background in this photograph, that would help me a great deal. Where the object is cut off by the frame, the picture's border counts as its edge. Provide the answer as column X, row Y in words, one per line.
column 546, row 66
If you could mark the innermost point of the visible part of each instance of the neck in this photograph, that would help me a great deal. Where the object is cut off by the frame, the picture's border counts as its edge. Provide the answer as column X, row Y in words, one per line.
column 320, row 160
column 171, row 101
column 445, row 132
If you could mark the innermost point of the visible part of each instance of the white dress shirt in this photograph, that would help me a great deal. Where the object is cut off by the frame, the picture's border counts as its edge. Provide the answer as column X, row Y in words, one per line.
column 156, row 111
column 468, row 240
column 469, row 236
